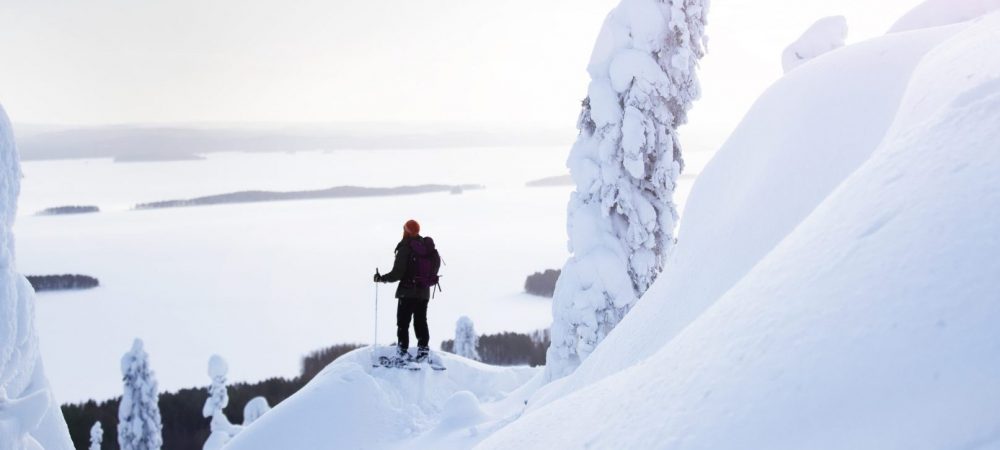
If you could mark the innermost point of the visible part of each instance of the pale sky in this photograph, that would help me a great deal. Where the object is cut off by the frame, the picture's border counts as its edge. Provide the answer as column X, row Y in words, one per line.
column 92, row 62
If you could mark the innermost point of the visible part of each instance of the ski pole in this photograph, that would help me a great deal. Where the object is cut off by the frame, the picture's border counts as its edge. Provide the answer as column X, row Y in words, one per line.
column 375, row 340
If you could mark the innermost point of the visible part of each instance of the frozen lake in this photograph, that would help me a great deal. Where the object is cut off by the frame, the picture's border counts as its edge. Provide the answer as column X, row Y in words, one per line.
column 265, row 283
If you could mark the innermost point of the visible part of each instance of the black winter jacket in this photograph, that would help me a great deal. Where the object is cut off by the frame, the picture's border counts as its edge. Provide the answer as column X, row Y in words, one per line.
column 402, row 273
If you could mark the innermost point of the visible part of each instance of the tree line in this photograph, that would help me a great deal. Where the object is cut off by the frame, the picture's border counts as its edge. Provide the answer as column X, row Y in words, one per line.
column 184, row 427
column 509, row 349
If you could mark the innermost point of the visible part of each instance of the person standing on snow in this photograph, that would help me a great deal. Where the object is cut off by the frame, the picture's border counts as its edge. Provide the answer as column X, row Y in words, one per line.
column 416, row 269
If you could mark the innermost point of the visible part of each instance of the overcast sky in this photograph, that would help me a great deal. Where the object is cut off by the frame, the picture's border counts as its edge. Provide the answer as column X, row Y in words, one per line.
column 454, row 61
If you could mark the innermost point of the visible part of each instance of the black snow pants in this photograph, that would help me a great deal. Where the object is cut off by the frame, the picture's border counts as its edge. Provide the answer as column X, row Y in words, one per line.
column 417, row 309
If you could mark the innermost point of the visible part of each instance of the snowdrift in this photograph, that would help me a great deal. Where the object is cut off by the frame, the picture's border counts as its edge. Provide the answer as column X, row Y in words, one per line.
column 856, row 307
column 353, row 405
column 827, row 34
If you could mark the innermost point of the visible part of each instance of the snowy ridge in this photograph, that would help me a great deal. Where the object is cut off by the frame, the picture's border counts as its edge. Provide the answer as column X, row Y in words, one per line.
column 353, row 405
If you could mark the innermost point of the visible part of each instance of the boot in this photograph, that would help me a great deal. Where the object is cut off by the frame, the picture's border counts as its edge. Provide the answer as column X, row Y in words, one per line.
column 422, row 354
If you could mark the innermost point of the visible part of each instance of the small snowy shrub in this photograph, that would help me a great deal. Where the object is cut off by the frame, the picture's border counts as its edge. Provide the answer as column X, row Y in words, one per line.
column 96, row 436
column 255, row 408
column 466, row 339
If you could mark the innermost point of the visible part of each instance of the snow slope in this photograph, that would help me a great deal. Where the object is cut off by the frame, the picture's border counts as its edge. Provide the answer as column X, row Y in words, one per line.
column 352, row 405
column 800, row 140
column 29, row 414
column 870, row 325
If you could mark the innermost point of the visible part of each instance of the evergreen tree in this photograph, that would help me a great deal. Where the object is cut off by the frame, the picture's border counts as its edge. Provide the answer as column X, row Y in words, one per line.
column 218, row 396
column 96, row 436
column 466, row 339
column 139, row 423
column 625, row 164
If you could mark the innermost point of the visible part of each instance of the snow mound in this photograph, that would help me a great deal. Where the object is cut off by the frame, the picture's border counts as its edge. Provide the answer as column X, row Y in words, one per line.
column 871, row 324
column 827, row 34
column 934, row 13
column 353, row 405
column 29, row 415
column 254, row 409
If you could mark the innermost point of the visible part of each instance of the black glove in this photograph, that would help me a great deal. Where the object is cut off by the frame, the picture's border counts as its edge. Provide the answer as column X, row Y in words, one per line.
column 378, row 278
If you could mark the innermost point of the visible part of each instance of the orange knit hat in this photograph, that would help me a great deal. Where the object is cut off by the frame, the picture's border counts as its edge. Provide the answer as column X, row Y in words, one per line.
column 411, row 228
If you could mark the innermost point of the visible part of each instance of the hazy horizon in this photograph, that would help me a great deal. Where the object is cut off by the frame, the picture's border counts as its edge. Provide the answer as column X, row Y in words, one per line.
column 436, row 61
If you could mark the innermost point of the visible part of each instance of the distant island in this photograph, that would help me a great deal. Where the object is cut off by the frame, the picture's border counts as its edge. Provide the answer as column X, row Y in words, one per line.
column 73, row 209
column 559, row 180
column 62, row 282
column 334, row 192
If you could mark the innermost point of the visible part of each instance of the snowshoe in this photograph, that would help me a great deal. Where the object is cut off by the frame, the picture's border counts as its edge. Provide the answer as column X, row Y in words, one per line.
column 397, row 362
column 426, row 357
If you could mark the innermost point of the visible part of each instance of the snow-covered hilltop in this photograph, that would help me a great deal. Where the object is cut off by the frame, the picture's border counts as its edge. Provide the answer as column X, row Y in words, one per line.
column 29, row 415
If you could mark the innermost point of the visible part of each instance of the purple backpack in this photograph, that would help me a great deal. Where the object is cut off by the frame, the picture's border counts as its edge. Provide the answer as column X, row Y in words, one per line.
column 425, row 263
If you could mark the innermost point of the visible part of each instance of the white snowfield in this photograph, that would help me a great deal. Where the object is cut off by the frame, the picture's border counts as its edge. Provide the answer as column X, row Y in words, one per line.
column 835, row 285
column 29, row 414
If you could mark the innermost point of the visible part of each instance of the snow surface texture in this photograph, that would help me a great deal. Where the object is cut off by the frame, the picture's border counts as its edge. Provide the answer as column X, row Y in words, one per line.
column 139, row 424
column 466, row 339
column 934, row 13
column 871, row 324
column 827, row 34
column 29, row 415
column 625, row 164
column 353, row 405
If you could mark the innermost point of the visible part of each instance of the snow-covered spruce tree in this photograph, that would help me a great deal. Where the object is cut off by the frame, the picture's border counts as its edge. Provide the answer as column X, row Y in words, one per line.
column 222, row 429
column 139, row 424
column 625, row 165
column 218, row 396
column 466, row 339
column 30, row 417
column 96, row 436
